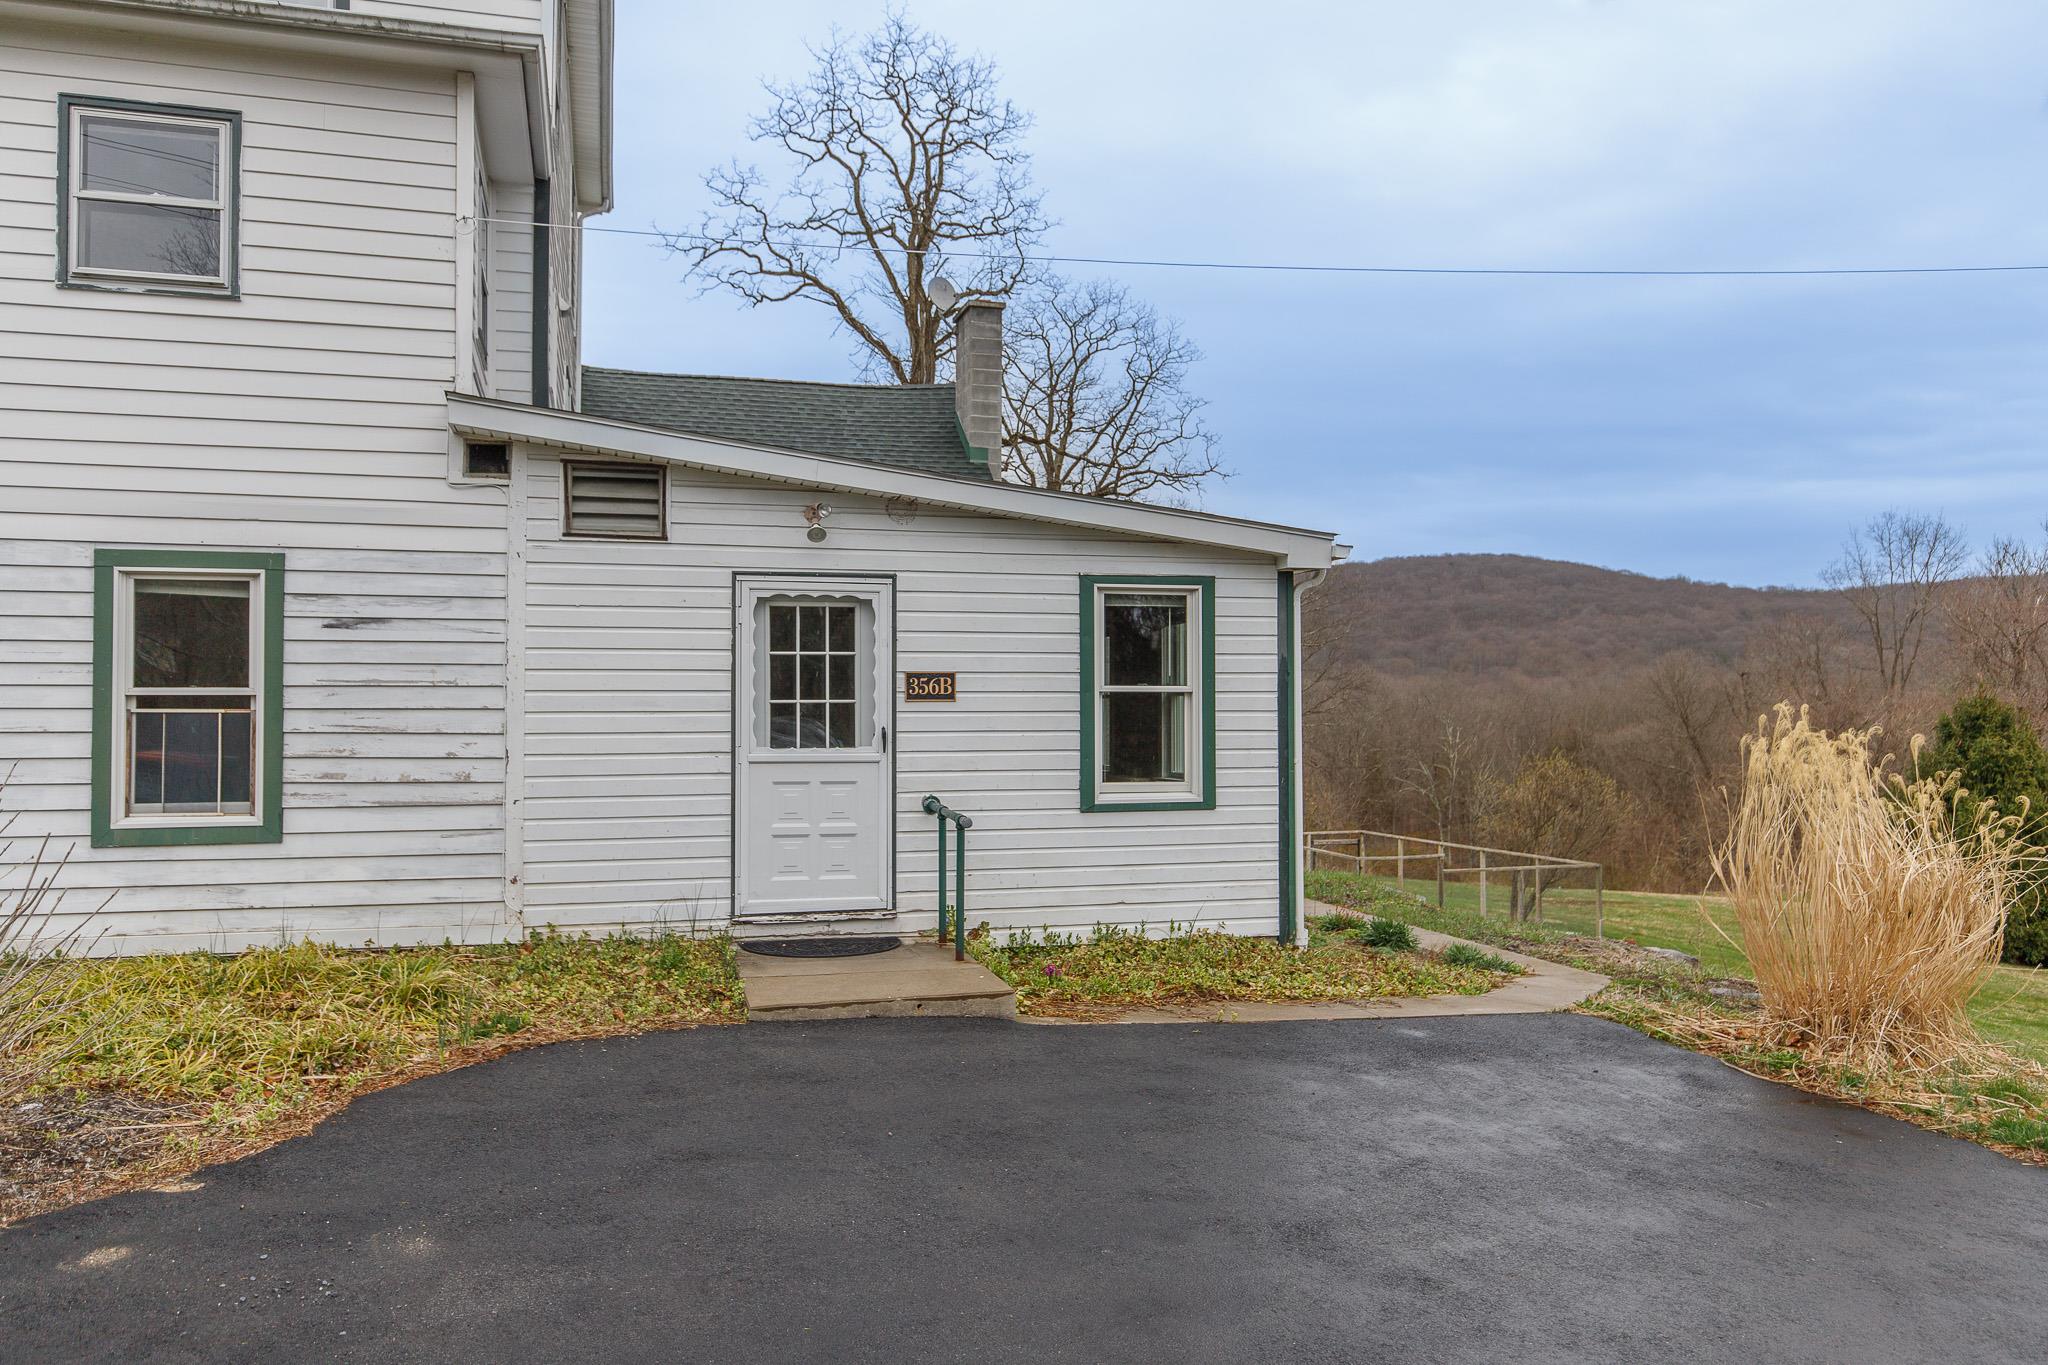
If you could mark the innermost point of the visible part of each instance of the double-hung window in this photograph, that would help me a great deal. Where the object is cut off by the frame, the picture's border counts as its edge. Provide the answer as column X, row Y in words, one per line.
column 147, row 195
column 187, row 673
column 1148, row 678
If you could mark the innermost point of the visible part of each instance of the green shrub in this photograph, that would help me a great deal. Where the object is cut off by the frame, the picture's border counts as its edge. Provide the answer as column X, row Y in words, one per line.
column 2002, row 762
column 1391, row 934
column 1472, row 955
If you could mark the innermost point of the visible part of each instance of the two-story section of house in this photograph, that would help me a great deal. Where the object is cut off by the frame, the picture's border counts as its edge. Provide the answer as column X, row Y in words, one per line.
column 246, row 252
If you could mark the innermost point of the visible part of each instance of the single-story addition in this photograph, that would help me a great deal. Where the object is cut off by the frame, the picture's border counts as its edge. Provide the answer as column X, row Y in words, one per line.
column 748, row 627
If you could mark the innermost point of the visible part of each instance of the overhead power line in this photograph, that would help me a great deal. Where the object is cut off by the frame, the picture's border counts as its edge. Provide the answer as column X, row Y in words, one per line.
column 1322, row 269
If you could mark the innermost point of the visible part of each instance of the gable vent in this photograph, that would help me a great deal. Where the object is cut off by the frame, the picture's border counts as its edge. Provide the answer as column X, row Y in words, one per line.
column 618, row 501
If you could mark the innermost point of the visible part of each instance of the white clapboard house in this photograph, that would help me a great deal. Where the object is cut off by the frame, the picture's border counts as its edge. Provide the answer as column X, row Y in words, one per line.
column 337, row 599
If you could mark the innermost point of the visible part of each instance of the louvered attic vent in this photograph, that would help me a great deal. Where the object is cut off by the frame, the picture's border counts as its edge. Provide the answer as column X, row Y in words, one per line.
column 616, row 501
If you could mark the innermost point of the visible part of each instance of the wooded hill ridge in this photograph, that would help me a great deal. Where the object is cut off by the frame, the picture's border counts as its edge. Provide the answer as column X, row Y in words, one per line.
column 1422, row 615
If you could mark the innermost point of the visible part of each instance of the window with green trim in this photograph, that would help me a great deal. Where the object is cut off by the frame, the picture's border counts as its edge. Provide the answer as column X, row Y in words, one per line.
column 146, row 195
column 1148, row 681
column 187, row 677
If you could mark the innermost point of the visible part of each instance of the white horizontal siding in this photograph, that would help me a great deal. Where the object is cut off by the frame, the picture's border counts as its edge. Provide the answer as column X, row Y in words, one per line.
column 305, row 417
column 628, row 749
column 518, row 16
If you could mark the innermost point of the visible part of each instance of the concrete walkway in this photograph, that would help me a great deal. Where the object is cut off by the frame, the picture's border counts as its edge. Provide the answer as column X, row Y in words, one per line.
column 915, row 979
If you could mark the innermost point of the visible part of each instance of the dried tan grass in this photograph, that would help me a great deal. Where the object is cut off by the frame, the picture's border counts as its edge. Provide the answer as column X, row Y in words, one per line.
column 1872, row 906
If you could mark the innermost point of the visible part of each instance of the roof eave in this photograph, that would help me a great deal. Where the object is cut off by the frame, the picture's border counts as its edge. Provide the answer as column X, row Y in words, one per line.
column 590, row 42
column 488, row 418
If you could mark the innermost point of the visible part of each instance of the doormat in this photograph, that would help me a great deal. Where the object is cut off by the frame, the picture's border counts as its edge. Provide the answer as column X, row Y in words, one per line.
column 838, row 945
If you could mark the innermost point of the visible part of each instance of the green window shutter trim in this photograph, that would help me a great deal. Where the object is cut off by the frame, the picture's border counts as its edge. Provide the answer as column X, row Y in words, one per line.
column 1090, row 799
column 105, row 742
column 1289, row 901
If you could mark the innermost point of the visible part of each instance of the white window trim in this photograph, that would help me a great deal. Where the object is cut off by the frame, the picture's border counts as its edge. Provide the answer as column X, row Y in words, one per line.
column 223, row 130
column 1108, row 793
column 124, row 691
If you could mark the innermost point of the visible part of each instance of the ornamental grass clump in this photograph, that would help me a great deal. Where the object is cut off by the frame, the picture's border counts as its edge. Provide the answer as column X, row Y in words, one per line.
column 1871, row 905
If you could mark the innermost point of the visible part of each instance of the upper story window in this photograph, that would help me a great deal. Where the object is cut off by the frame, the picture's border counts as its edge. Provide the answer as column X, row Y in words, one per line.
column 148, row 195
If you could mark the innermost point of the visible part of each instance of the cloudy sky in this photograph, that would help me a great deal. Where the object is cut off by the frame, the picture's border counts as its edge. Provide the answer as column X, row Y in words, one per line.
column 1722, row 429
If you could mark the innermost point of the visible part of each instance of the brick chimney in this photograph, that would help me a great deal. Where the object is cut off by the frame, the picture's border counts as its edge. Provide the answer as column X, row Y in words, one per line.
column 978, row 380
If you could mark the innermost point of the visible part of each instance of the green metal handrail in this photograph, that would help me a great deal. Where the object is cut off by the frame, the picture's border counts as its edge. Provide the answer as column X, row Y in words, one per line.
column 961, row 824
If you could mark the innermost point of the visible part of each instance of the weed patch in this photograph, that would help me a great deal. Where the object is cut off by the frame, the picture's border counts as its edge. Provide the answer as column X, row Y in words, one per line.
column 1115, row 969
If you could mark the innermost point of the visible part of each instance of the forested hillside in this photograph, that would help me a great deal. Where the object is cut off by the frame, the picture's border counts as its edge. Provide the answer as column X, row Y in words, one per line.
column 1543, row 618
column 1592, row 713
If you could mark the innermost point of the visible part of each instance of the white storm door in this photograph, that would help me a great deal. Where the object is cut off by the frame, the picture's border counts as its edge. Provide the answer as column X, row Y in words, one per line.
column 811, row 716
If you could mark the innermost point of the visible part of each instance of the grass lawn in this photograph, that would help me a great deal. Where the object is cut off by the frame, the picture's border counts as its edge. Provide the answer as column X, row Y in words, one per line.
column 2011, row 1010
column 1074, row 976
column 209, row 1056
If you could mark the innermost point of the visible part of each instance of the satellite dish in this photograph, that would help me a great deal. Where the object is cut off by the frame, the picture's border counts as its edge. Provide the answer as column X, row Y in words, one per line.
column 943, row 294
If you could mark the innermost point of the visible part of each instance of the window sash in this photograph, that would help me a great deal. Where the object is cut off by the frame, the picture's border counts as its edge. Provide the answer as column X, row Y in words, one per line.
column 224, row 171
column 1111, row 790
column 126, row 811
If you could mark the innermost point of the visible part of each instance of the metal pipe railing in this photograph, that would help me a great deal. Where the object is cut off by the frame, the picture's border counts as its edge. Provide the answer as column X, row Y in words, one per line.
column 961, row 824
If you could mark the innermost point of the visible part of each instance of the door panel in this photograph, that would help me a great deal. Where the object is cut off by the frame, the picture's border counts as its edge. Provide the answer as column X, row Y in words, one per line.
column 814, row 795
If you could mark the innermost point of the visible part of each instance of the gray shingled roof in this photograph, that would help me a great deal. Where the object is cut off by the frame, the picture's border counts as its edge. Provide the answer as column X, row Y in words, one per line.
column 909, row 426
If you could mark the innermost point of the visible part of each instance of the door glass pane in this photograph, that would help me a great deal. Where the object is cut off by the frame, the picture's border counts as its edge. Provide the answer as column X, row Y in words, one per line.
column 1146, row 637
column 151, row 238
column 191, row 632
column 128, row 157
column 1144, row 737
column 811, row 676
column 815, row 683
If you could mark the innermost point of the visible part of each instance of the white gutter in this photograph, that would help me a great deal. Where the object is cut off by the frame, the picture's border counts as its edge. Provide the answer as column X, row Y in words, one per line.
column 492, row 419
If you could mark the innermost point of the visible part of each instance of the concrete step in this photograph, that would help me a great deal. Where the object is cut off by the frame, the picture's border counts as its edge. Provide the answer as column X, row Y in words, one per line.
column 916, row 979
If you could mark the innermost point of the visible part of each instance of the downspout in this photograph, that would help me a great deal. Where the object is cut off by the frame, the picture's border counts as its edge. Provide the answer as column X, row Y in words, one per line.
column 1293, row 924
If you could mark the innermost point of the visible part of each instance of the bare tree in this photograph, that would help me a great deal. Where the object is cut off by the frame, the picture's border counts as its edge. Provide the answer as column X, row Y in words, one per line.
column 1447, row 779
column 904, row 164
column 1891, row 572
column 1095, row 397
column 1999, row 619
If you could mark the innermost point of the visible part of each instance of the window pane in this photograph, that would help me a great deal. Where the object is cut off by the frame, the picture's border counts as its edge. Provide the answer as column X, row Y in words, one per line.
column 782, row 725
column 191, row 632
column 1144, row 737
column 1147, row 639
column 149, row 238
column 843, row 726
column 842, row 628
column 811, row 674
column 781, row 627
column 235, row 755
column 842, row 678
column 782, row 677
column 812, row 732
column 814, row 628
column 128, row 157
column 147, row 775
column 191, row 760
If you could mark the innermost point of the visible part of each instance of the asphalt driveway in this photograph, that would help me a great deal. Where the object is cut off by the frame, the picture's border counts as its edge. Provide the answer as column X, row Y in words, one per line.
column 1529, row 1188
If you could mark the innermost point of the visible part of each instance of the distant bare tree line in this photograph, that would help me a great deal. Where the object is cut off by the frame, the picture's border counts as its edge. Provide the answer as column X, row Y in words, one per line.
column 1620, row 763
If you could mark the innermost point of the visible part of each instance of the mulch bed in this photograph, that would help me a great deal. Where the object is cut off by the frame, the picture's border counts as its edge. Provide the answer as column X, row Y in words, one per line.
column 69, row 1145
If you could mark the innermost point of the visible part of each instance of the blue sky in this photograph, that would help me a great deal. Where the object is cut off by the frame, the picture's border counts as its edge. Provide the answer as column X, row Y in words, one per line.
column 1722, row 429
